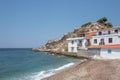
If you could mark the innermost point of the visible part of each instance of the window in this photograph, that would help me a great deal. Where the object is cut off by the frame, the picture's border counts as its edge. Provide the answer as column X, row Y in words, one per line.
column 102, row 42
column 80, row 41
column 95, row 41
column 100, row 33
column 109, row 32
column 72, row 42
column 116, row 31
column 110, row 40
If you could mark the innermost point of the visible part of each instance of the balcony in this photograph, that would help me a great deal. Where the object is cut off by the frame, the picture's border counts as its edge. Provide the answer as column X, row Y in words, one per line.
column 101, row 43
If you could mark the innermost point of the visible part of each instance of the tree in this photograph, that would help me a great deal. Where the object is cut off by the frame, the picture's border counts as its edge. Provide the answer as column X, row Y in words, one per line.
column 109, row 24
column 86, row 24
column 102, row 20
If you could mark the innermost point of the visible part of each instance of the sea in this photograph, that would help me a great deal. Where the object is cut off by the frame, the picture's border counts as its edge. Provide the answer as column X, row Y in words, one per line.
column 24, row 64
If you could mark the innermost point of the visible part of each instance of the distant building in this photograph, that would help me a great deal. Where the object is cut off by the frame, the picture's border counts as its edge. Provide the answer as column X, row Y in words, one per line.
column 105, row 42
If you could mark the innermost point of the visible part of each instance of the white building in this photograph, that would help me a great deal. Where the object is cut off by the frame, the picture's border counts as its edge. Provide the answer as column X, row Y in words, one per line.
column 75, row 44
column 107, row 37
column 107, row 42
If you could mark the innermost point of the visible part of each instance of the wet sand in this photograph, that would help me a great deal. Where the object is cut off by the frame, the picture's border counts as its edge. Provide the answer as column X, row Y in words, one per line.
column 90, row 70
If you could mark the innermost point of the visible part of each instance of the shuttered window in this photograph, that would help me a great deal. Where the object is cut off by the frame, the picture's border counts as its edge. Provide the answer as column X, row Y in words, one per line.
column 110, row 40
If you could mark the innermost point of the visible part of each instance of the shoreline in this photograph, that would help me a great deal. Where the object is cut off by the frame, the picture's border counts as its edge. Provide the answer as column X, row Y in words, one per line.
column 66, row 68
column 64, row 53
column 90, row 70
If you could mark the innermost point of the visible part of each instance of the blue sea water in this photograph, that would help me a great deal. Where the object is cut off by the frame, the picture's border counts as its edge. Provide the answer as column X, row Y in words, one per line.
column 23, row 64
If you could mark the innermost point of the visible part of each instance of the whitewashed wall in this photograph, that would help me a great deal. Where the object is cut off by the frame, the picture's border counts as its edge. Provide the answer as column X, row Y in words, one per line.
column 106, row 32
column 115, row 53
column 75, row 44
column 116, row 39
column 70, row 45
column 83, row 43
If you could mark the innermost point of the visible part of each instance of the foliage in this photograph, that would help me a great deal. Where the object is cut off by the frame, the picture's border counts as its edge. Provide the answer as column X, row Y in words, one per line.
column 109, row 24
column 102, row 20
column 105, row 22
column 86, row 24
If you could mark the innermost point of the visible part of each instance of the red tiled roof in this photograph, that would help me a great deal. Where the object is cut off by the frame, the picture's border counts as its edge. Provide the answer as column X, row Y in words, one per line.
column 111, row 46
column 106, row 46
column 90, row 34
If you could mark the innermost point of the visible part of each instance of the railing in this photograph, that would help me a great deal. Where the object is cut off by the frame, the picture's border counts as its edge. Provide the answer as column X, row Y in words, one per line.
column 101, row 43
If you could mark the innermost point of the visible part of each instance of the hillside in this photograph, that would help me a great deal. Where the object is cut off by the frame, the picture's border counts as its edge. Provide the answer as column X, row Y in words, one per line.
column 60, row 44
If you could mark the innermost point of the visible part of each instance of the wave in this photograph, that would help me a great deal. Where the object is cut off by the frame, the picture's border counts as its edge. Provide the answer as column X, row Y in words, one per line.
column 43, row 74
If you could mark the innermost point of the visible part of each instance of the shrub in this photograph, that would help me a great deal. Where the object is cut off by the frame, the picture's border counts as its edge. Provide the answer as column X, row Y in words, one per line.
column 102, row 20
column 86, row 24
column 109, row 24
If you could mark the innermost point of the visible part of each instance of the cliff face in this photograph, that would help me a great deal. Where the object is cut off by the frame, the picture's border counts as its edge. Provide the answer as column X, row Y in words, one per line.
column 60, row 44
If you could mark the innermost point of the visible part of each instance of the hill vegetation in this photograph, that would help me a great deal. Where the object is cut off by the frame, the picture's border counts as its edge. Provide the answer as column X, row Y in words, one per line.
column 104, row 21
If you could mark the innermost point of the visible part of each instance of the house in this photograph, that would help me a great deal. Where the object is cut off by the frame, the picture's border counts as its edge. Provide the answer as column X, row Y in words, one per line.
column 78, row 43
column 75, row 43
column 107, row 51
column 106, row 37
column 105, row 43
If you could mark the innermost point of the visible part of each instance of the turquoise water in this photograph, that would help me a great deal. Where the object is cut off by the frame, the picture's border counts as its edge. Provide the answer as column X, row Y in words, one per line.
column 23, row 64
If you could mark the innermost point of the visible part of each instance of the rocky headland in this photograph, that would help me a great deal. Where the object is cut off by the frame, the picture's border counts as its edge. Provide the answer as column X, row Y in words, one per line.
column 60, row 44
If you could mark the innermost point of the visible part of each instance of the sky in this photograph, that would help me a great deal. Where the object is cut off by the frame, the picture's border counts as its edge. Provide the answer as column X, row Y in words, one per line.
column 31, row 23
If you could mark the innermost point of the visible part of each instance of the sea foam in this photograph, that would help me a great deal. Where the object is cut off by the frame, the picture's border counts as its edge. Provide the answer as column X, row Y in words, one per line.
column 43, row 74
